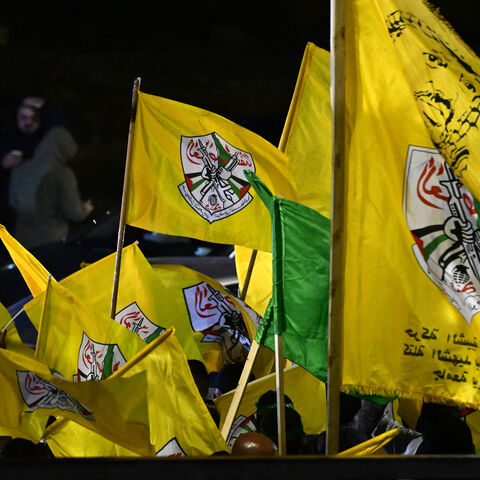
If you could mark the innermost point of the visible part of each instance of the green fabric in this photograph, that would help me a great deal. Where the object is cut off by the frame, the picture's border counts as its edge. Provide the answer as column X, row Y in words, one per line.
column 298, row 309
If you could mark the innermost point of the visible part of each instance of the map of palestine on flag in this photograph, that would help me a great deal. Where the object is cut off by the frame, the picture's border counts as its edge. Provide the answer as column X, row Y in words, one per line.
column 306, row 140
column 412, row 269
column 187, row 175
column 298, row 309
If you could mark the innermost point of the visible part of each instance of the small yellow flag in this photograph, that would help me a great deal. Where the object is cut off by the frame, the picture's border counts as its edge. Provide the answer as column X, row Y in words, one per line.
column 77, row 342
column 31, row 393
column 33, row 272
column 371, row 446
column 187, row 175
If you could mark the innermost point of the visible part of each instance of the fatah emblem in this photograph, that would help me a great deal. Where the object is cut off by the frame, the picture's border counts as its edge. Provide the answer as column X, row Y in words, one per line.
column 442, row 218
column 215, row 185
column 217, row 316
column 38, row 393
column 97, row 361
column 134, row 319
column 171, row 449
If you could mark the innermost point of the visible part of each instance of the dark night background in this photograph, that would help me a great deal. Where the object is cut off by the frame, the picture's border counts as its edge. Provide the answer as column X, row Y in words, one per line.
column 239, row 59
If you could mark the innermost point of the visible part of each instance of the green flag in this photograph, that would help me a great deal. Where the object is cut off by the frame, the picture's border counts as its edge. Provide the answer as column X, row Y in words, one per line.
column 298, row 309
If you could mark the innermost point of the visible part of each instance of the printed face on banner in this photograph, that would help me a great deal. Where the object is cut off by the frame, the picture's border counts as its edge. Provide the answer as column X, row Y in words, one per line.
column 445, row 85
column 442, row 218
column 215, row 185
column 97, row 360
column 132, row 318
column 38, row 393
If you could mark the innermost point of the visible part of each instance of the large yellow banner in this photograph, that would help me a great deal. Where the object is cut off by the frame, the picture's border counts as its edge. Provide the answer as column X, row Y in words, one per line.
column 411, row 272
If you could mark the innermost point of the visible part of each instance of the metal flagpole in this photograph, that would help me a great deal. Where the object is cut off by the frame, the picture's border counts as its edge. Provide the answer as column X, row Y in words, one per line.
column 337, row 89
column 121, row 227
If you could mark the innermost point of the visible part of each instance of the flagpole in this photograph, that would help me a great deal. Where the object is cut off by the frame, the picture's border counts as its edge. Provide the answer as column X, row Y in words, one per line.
column 279, row 378
column 337, row 89
column 11, row 320
column 121, row 227
column 42, row 316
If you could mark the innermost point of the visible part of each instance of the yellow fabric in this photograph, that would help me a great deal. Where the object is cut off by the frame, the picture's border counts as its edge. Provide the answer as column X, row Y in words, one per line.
column 12, row 338
column 408, row 412
column 306, row 392
column 401, row 335
column 154, row 198
column 306, row 140
column 33, row 272
column 444, row 74
column 140, row 288
column 107, row 407
column 370, row 446
column 74, row 339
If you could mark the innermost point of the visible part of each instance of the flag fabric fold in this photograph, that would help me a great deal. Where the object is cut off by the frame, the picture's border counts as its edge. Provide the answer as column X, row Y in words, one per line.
column 298, row 309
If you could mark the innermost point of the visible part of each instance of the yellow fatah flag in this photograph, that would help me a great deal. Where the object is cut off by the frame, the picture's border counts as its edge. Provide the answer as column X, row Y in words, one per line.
column 75, row 340
column 33, row 272
column 187, row 177
column 142, row 305
column 306, row 392
column 180, row 424
column 306, row 140
column 31, row 393
column 371, row 446
column 411, row 281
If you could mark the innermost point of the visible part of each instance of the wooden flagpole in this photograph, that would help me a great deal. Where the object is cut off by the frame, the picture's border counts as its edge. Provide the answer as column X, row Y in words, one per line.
column 337, row 253
column 249, row 362
column 279, row 380
column 121, row 227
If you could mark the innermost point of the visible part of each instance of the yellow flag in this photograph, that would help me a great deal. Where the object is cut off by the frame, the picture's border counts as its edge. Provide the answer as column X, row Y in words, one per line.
column 371, row 446
column 31, row 393
column 68, row 439
column 142, row 307
column 180, row 424
column 187, row 175
column 306, row 140
column 410, row 278
column 12, row 339
column 306, row 392
column 75, row 340
column 33, row 272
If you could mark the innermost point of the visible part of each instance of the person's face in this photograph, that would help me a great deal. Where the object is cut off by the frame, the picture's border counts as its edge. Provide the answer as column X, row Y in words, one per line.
column 27, row 120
